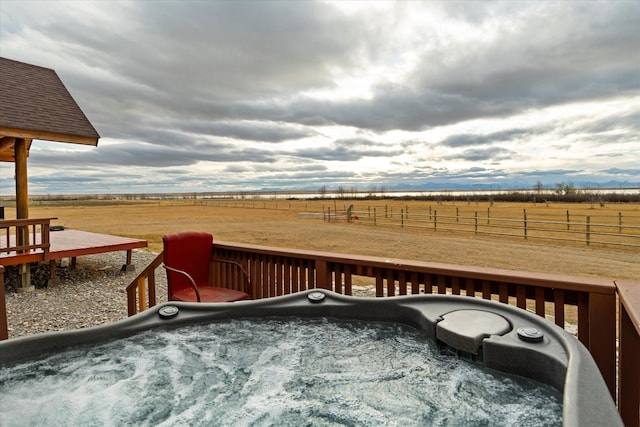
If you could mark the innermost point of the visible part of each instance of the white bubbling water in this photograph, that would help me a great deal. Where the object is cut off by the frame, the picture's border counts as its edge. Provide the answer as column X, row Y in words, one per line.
column 273, row 372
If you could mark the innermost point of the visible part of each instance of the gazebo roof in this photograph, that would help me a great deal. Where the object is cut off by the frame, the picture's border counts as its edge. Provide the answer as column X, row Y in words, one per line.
column 35, row 104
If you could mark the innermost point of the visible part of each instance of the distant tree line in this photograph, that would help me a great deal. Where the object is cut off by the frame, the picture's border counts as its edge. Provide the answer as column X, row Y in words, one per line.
column 560, row 192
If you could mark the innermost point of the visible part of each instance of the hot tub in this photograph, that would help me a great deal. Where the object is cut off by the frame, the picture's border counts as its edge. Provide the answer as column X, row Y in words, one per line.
column 315, row 357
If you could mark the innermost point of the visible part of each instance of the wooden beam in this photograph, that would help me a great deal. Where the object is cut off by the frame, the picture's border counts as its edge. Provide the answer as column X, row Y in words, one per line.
column 6, row 142
column 7, row 150
column 48, row 136
column 7, row 153
column 7, row 157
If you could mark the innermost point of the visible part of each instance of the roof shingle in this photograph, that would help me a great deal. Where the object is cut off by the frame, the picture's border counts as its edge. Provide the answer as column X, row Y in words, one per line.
column 33, row 98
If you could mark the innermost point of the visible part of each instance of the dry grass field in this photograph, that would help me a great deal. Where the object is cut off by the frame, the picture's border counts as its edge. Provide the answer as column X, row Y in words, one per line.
column 299, row 224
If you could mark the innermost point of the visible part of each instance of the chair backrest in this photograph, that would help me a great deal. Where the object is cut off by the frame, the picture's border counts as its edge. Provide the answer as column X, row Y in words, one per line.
column 189, row 251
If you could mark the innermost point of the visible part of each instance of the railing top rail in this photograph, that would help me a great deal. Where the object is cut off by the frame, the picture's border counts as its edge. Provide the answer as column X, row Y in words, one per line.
column 6, row 223
column 545, row 280
column 629, row 293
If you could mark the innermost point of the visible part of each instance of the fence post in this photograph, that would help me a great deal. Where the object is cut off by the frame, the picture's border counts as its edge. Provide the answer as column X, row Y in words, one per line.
column 525, row 223
column 488, row 215
column 620, row 222
column 402, row 218
column 386, row 211
column 457, row 219
column 435, row 219
column 374, row 216
column 476, row 222
column 568, row 221
column 588, row 230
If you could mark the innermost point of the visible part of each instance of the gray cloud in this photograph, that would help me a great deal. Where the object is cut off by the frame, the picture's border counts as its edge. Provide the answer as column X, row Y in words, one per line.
column 475, row 139
column 481, row 154
column 345, row 150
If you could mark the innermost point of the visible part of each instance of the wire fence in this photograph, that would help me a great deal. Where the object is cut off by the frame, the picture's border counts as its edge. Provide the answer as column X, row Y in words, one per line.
column 606, row 229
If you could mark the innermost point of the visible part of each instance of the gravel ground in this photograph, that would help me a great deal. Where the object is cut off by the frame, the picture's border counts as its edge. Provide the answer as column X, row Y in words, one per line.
column 92, row 294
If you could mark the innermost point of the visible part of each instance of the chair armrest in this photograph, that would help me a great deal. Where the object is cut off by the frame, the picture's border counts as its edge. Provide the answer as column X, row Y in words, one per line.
column 245, row 275
column 184, row 273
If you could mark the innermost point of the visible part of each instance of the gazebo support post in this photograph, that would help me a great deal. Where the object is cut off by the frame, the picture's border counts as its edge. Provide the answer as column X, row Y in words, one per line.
column 22, row 209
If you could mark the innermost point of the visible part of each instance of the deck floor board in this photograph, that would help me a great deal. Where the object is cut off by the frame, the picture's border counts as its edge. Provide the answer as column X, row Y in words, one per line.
column 73, row 243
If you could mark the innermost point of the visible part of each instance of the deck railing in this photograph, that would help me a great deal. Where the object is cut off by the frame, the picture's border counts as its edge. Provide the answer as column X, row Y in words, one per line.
column 24, row 240
column 589, row 304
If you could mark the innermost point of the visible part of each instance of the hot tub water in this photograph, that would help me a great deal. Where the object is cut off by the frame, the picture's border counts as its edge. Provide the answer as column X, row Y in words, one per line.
column 285, row 372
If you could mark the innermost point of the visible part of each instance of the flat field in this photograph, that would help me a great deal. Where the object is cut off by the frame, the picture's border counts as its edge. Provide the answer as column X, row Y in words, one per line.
column 299, row 224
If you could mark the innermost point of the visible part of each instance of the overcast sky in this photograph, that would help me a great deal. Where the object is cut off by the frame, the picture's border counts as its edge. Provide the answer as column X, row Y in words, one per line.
column 214, row 96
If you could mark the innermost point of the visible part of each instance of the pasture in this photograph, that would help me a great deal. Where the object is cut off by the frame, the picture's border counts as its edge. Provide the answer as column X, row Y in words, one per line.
column 299, row 224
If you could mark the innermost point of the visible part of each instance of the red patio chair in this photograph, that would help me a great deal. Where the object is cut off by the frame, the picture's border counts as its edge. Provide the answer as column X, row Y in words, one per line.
column 187, row 258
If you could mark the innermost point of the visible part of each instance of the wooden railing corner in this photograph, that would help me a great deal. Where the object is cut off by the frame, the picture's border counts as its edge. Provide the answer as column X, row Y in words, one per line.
column 629, row 352
column 141, row 292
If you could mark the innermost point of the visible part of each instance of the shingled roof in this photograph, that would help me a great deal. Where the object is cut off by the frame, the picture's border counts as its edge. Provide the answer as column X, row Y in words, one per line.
column 35, row 104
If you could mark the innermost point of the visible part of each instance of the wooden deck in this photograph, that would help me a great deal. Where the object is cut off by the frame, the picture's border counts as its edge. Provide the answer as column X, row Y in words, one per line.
column 74, row 243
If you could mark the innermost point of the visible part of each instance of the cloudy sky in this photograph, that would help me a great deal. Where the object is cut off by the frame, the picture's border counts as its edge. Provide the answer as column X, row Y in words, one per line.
column 214, row 96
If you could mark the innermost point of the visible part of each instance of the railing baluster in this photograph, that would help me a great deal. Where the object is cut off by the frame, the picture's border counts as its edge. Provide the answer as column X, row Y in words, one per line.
column 415, row 283
column 379, row 283
column 521, row 296
column 503, row 293
column 402, row 282
column 442, row 286
column 486, row 289
column 540, row 306
column 391, row 283
column 455, row 285
column 348, row 287
column 470, row 287
column 558, row 299
column 583, row 318
column 287, row 275
column 337, row 287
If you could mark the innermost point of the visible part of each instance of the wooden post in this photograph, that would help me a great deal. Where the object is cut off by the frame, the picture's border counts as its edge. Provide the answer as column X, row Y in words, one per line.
column 602, row 336
column 22, row 209
column 619, row 222
column 476, row 222
column 22, row 190
column 4, row 330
